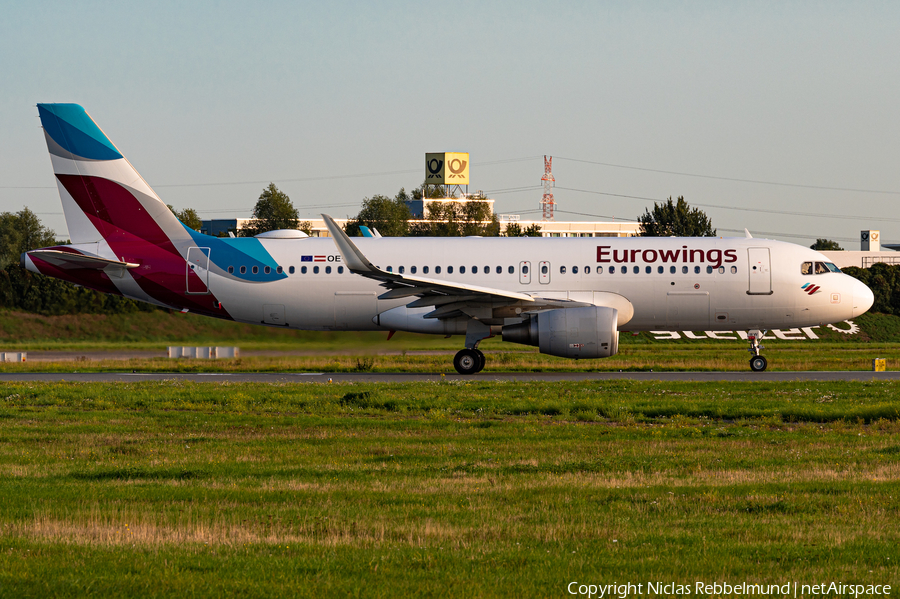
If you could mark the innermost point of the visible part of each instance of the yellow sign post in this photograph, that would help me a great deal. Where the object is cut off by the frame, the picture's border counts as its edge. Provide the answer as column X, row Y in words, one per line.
column 447, row 168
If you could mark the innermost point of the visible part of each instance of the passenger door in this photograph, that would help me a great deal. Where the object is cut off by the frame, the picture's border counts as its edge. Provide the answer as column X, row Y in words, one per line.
column 760, row 282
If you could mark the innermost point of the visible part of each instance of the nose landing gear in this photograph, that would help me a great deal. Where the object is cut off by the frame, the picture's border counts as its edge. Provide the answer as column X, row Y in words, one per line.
column 758, row 363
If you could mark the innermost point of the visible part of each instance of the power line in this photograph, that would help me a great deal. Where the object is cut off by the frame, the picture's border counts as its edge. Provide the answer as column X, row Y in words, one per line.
column 736, row 179
column 764, row 210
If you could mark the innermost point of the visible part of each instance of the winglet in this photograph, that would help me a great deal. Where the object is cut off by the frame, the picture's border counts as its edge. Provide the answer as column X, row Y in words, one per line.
column 353, row 258
column 747, row 233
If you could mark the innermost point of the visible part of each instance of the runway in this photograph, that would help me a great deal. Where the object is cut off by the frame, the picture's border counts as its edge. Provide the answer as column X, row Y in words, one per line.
column 400, row 377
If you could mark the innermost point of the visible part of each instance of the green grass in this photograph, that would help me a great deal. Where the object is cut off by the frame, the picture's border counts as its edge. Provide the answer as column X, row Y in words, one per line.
column 504, row 357
column 468, row 489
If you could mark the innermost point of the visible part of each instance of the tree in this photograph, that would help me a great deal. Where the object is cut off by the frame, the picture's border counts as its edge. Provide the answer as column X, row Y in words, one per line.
column 273, row 211
column 188, row 217
column 516, row 230
column 533, row 230
column 513, row 230
column 826, row 244
column 884, row 281
column 458, row 219
column 389, row 215
column 675, row 219
column 21, row 232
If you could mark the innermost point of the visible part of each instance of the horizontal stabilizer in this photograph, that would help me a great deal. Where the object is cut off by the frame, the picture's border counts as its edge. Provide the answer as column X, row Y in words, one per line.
column 70, row 260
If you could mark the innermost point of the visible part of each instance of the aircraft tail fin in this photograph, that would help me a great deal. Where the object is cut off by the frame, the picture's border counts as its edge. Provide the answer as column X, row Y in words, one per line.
column 103, row 196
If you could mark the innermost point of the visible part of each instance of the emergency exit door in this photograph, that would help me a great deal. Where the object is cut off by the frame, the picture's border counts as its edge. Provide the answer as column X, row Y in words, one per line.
column 197, row 271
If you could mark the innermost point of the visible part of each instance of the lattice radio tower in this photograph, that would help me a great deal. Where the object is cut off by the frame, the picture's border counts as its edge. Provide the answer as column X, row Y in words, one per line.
column 547, row 202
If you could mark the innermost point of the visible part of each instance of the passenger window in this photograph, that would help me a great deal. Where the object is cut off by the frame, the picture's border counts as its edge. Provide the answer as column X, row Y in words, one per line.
column 449, row 270
column 636, row 270
column 721, row 270
column 525, row 269
column 340, row 270
column 462, row 270
column 291, row 270
column 425, row 270
column 302, row 270
column 487, row 270
column 412, row 270
column 696, row 270
column 327, row 270
column 612, row 270
column 500, row 270
column 474, row 270
column 672, row 270
column 734, row 270
column 648, row 270
column 821, row 268
column 437, row 270
column 402, row 269
column 709, row 270
column 574, row 270
column 279, row 270
column 660, row 269
column 806, row 268
column 230, row 270
column 512, row 270
column 255, row 269
column 390, row 269
column 624, row 270
column 562, row 270
column 587, row 270
column 243, row 270
column 315, row 270
column 684, row 270
column 267, row 270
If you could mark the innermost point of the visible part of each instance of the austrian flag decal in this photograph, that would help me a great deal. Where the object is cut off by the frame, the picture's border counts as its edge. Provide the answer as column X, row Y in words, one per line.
column 811, row 289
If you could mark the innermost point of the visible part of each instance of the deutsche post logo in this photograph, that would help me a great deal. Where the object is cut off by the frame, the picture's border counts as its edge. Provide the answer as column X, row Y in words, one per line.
column 435, row 169
column 457, row 168
column 447, row 168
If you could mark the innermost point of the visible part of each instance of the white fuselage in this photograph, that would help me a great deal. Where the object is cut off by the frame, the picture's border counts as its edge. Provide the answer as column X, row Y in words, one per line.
column 717, row 283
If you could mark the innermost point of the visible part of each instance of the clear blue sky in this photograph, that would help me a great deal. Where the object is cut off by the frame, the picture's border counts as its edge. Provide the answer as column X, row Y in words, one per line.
column 805, row 93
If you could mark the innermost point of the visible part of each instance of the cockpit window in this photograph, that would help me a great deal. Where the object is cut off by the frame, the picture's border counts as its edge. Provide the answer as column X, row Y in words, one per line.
column 832, row 267
column 806, row 268
column 821, row 268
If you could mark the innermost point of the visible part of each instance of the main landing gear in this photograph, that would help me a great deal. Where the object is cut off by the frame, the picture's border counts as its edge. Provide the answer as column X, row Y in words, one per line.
column 758, row 363
column 470, row 360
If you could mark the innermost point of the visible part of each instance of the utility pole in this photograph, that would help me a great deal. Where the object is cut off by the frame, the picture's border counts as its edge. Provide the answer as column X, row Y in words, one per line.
column 547, row 202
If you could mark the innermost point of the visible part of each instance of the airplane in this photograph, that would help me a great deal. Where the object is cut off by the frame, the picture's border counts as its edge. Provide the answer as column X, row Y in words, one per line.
column 569, row 297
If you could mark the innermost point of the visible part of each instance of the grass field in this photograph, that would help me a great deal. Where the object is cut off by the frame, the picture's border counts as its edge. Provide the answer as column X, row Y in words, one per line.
column 443, row 489
column 504, row 357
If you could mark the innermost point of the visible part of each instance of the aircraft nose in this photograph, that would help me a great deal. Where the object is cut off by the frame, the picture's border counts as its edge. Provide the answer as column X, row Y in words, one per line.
column 863, row 298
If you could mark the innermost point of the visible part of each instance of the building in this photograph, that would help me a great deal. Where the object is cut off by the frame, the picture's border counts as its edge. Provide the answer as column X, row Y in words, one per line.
column 221, row 227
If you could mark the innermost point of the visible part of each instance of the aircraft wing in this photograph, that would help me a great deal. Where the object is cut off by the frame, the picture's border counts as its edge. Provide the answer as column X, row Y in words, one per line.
column 449, row 298
column 70, row 259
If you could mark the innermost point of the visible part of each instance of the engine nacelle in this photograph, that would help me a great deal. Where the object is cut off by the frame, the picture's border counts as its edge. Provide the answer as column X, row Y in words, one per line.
column 590, row 332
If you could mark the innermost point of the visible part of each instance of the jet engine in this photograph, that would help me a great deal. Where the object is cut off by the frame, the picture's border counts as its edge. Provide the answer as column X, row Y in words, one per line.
column 589, row 332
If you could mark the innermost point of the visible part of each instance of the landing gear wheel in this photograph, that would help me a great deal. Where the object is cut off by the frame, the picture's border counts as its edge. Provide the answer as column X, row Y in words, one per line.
column 467, row 361
column 758, row 363
column 481, row 360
